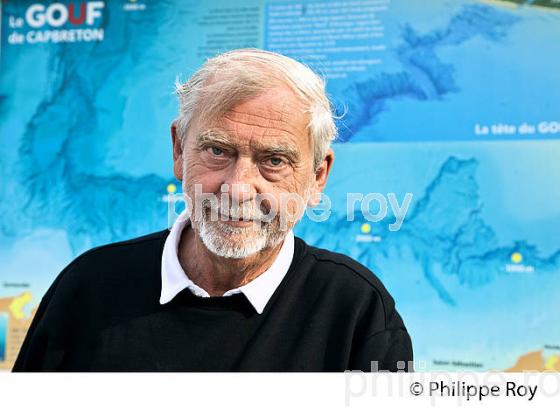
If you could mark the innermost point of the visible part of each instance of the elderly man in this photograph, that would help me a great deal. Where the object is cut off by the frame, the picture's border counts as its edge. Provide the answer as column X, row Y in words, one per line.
column 229, row 287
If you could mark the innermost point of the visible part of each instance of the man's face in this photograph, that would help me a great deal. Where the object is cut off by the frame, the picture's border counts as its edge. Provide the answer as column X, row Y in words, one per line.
column 257, row 162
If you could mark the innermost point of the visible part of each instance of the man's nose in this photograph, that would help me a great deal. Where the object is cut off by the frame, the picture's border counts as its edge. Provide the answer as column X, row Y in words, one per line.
column 240, row 181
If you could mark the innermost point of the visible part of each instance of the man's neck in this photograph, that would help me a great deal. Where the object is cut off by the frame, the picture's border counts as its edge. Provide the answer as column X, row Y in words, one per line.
column 215, row 274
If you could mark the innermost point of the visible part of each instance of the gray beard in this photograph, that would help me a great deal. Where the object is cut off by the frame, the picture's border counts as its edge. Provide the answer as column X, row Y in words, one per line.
column 237, row 242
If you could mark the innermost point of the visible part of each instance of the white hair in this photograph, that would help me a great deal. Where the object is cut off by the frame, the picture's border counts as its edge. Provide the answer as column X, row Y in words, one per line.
column 238, row 75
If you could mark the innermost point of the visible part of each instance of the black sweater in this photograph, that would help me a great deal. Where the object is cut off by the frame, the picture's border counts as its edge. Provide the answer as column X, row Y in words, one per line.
column 102, row 313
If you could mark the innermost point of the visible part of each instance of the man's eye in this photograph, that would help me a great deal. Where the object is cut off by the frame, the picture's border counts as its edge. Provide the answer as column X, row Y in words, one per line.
column 275, row 161
column 216, row 151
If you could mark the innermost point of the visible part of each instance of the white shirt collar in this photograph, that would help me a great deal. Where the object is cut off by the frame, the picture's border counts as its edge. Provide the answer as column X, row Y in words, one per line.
column 258, row 291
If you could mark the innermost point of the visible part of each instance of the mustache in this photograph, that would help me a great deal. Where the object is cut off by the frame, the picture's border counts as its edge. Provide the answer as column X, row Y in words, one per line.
column 245, row 211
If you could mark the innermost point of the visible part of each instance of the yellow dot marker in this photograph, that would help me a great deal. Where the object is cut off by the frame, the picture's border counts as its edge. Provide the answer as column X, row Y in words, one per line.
column 516, row 257
column 365, row 228
column 171, row 188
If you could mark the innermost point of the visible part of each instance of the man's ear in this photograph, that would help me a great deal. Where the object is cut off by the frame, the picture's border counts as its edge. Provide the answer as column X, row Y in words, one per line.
column 321, row 176
column 177, row 152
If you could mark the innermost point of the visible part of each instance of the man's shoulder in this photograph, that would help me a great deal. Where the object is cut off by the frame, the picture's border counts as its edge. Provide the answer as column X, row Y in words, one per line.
column 349, row 279
column 115, row 263
column 342, row 267
column 123, row 248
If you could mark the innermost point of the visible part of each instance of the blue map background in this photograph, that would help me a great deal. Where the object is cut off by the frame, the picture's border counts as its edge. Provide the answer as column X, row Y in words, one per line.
column 3, row 331
column 85, row 159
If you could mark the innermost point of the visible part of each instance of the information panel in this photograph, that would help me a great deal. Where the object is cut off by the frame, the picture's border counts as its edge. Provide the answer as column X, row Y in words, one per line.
column 446, row 181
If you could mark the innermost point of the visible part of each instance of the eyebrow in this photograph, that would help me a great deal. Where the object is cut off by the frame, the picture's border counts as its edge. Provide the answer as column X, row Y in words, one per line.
column 211, row 137
column 279, row 150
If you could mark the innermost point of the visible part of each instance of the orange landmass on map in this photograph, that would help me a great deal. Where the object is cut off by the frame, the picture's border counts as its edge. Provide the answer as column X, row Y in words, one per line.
column 535, row 361
column 17, row 326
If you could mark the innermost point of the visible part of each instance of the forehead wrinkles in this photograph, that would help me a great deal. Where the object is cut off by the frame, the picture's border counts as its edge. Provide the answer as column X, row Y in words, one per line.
column 284, row 118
